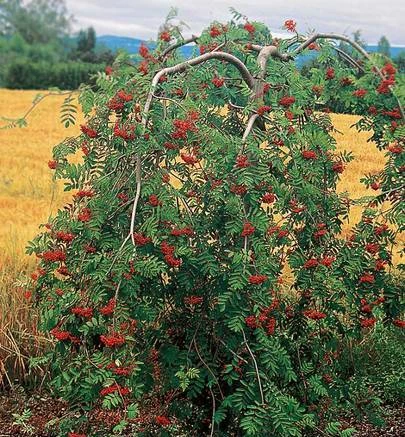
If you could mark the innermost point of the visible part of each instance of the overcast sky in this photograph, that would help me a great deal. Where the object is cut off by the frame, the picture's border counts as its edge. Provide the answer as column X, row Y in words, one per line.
column 141, row 18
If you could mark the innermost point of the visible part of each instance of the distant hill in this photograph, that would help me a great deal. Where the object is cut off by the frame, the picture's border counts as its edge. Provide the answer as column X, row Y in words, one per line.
column 131, row 45
column 395, row 51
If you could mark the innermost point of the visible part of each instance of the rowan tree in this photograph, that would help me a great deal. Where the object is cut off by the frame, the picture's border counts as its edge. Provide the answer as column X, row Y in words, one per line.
column 199, row 281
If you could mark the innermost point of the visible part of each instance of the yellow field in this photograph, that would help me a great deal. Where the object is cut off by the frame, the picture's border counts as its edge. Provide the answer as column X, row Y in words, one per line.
column 28, row 197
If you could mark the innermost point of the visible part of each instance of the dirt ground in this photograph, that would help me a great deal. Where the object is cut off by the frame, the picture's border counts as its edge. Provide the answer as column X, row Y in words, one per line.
column 44, row 408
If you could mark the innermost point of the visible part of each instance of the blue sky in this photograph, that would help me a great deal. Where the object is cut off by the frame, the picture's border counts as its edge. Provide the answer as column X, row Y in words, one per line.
column 141, row 18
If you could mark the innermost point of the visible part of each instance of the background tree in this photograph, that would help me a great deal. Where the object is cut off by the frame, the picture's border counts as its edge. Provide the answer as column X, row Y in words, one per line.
column 86, row 41
column 87, row 49
column 37, row 50
column 39, row 21
column 400, row 61
column 358, row 38
column 384, row 46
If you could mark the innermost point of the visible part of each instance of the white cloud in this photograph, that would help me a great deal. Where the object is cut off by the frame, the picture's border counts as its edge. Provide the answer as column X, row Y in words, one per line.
column 141, row 18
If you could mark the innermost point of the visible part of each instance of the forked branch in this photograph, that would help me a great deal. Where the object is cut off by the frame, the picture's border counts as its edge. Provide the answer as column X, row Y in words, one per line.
column 222, row 56
column 179, row 68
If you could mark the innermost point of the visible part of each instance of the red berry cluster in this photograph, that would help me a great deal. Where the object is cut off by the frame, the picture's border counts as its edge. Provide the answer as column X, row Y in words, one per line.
column 108, row 309
column 360, row 93
column 309, row 154
column 250, row 28
column 381, row 229
column 263, row 109
column 330, row 73
column 286, row 101
column 119, row 370
column 311, row 263
column 154, row 200
column 66, row 237
column 52, row 164
column 242, row 161
column 84, row 193
column 346, row 81
column 368, row 323
column 218, row 81
column 322, row 231
column 113, row 339
column 290, row 25
column 208, row 48
column 117, row 103
column 180, row 232
column 165, row 36
column 64, row 335
column 53, row 256
column 238, row 189
column 313, row 46
column 126, row 132
column 182, row 127
column 257, row 279
column 248, row 229
column 85, row 312
column 396, row 149
column 327, row 261
column 314, row 314
column 193, row 300
column 123, row 391
column 281, row 233
column 214, row 32
column 162, row 420
column 367, row 278
column 140, row 239
column 372, row 248
column 317, row 89
column 338, row 167
column 268, row 198
column 123, row 197
column 189, row 159
column 88, row 248
column 84, row 215
column 91, row 133
column 399, row 323
column 264, row 320
column 389, row 72
column 168, row 253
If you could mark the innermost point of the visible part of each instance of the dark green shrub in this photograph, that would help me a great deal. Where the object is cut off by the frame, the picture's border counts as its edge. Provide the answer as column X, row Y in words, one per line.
column 22, row 74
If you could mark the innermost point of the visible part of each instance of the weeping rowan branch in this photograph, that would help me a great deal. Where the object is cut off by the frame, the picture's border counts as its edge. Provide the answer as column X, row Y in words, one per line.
column 349, row 59
column 335, row 36
column 222, row 56
column 256, row 367
column 22, row 121
column 179, row 68
column 137, row 196
column 208, row 368
column 249, row 126
column 177, row 45
column 248, row 129
column 356, row 46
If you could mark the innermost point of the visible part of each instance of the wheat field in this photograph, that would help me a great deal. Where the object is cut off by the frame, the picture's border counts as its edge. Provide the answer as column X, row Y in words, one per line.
column 28, row 196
